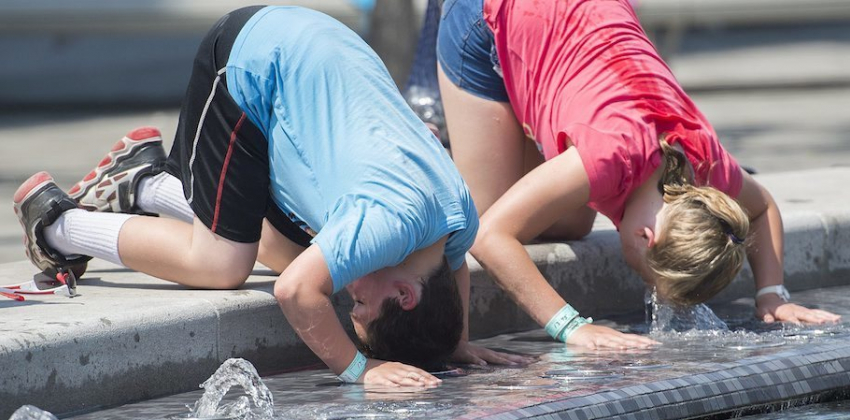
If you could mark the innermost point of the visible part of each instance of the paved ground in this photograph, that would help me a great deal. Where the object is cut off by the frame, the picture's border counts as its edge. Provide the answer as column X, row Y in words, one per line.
column 772, row 131
column 778, row 97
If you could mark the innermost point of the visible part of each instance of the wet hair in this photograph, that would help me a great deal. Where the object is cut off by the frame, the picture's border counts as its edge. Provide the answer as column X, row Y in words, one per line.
column 424, row 336
column 702, row 245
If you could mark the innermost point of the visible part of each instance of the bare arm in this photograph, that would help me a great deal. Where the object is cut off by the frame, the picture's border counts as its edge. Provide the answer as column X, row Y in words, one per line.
column 766, row 256
column 463, row 281
column 533, row 204
column 303, row 291
column 470, row 353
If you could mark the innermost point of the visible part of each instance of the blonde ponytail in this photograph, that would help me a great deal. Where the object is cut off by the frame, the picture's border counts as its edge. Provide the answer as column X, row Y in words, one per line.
column 702, row 245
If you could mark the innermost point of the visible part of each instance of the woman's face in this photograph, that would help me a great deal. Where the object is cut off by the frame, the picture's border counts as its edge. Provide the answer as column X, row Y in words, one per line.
column 639, row 231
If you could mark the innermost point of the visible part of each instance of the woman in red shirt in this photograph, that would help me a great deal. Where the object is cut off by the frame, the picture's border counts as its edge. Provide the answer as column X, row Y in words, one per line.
column 618, row 136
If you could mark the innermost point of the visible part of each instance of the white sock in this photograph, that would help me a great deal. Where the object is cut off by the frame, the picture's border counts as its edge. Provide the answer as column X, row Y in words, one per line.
column 163, row 195
column 87, row 233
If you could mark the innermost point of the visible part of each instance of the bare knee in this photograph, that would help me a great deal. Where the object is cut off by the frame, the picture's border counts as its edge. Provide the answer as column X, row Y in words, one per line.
column 571, row 228
column 215, row 275
column 570, row 233
column 215, row 262
column 223, row 268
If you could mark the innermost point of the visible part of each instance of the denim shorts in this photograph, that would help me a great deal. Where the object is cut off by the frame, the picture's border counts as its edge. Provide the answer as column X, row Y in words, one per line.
column 466, row 51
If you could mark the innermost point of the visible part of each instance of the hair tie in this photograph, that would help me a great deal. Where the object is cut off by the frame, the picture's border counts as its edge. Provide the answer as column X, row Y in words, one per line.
column 727, row 229
column 734, row 238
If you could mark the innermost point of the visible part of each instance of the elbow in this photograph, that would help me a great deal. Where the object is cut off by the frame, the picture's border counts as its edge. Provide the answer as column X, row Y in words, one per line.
column 486, row 240
column 294, row 292
column 287, row 291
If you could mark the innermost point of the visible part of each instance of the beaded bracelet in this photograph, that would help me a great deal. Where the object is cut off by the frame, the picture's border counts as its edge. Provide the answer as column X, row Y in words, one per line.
column 565, row 322
column 354, row 370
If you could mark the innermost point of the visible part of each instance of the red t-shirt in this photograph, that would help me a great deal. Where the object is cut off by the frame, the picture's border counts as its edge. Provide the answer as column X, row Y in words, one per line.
column 584, row 72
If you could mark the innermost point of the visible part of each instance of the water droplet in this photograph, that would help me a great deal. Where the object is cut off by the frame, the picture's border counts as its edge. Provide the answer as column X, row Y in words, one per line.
column 640, row 364
column 450, row 373
column 538, row 383
column 749, row 343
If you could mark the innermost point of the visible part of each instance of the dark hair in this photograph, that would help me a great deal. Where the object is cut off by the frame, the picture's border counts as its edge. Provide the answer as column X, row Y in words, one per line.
column 424, row 336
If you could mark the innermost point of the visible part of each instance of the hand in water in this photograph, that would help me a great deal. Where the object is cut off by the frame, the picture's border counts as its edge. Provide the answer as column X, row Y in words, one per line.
column 476, row 355
column 771, row 308
column 595, row 336
column 394, row 374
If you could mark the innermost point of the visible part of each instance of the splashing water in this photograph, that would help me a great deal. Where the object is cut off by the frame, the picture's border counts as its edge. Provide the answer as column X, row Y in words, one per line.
column 235, row 372
column 29, row 412
column 679, row 325
column 666, row 317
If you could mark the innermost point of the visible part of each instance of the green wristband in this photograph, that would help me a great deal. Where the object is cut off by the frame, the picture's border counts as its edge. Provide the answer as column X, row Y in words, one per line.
column 564, row 323
column 354, row 369
column 572, row 327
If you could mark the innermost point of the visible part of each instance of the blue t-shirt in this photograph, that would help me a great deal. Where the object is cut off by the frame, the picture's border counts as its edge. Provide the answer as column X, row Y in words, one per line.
column 347, row 156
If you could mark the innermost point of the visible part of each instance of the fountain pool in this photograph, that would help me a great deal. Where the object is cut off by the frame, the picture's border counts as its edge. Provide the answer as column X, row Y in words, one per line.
column 752, row 368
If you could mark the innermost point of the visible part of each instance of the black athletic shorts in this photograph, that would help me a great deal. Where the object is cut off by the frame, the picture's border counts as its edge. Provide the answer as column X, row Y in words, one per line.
column 218, row 154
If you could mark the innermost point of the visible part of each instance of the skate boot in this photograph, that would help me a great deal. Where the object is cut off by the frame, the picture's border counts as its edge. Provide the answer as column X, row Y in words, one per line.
column 111, row 186
column 38, row 202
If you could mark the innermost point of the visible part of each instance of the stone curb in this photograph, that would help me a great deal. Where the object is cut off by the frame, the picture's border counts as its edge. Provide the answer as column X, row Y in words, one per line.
column 145, row 338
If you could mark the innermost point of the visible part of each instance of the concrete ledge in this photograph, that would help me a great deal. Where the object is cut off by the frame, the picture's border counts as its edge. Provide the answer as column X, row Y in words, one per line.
column 666, row 13
column 147, row 338
column 782, row 44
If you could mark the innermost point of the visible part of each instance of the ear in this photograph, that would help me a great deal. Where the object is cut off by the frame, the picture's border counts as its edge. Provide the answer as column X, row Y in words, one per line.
column 648, row 236
column 408, row 295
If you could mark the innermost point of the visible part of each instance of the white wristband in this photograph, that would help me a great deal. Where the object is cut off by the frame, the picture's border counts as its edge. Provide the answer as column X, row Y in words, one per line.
column 779, row 290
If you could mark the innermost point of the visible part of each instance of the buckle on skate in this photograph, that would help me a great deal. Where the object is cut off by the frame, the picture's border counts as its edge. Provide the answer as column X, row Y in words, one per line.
column 63, row 284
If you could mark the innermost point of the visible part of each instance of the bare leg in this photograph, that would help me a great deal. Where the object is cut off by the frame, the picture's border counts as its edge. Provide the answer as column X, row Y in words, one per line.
column 486, row 140
column 492, row 153
column 276, row 250
column 188, row 254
